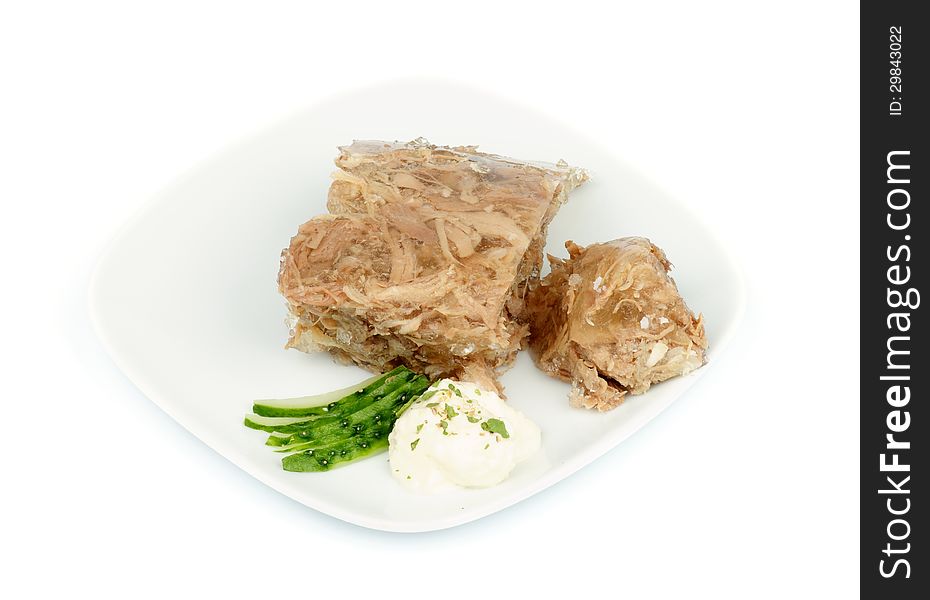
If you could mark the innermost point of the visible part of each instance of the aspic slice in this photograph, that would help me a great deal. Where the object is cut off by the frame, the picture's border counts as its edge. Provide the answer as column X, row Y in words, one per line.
column 610, row 320
column 425, row 258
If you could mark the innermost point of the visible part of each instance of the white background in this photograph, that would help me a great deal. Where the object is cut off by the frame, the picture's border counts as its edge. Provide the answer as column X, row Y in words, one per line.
column 746, row 488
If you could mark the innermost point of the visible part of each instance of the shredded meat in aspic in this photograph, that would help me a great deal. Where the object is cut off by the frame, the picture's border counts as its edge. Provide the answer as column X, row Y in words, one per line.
column 610, row 320
column 424, row 259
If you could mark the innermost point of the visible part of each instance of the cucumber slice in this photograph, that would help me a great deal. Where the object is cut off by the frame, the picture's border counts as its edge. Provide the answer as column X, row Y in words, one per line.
column 272, row 423
column 319, row 404
column 332, row 429
column 277, row 439
column 385, row 386
column 375, row 416
column 329, row 457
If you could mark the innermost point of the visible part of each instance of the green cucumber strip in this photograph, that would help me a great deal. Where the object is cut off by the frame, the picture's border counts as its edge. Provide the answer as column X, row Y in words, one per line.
column 328, row 430
column 272, row 423
column 361, row 398
column 295, row 446
column 379, row 413
column 413, row 398
column 377, row 426
column 329, row 457
column 319, row 404
column 295, row 425
column 390, row 388
column 276, row 439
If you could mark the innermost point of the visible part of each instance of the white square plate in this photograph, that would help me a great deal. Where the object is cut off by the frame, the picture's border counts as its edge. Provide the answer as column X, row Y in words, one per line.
column 185, row 298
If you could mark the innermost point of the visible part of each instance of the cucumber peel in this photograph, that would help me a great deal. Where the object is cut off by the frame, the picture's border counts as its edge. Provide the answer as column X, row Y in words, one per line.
column 254, row 421
column 319, row 404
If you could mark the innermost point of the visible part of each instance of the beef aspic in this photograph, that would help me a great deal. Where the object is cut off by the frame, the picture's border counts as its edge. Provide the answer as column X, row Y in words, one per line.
column 610, row 320
column 425, row 258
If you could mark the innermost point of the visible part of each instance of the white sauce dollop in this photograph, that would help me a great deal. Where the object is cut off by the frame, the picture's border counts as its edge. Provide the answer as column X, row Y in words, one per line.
column 459, row 435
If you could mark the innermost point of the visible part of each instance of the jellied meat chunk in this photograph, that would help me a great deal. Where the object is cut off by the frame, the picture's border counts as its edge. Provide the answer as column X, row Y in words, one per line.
column 610, row 320
column 425, row 258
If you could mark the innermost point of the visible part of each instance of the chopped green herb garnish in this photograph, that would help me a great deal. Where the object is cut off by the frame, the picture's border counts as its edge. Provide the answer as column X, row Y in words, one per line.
column 445, row 425
column 477, row 392
column 450, row 412
column 413, row 444
column 495, row 426
column 419, row 427
column 488, row 445
column 472, row 419
column 432, row 405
